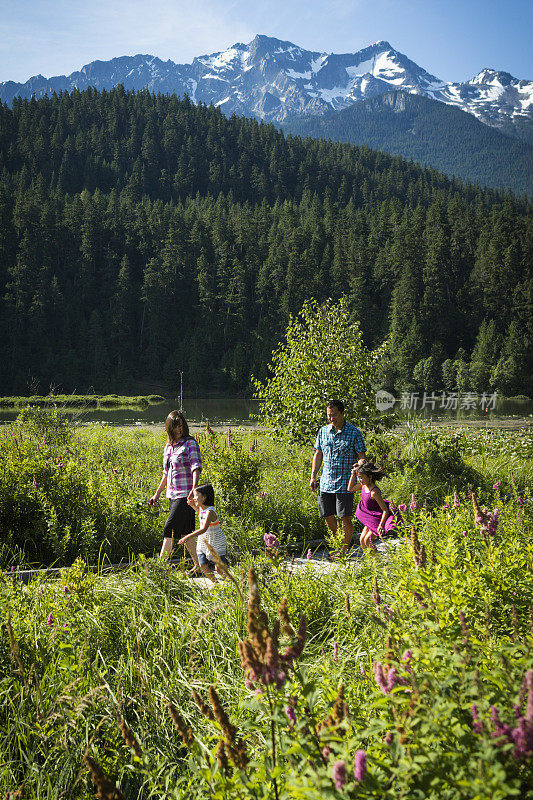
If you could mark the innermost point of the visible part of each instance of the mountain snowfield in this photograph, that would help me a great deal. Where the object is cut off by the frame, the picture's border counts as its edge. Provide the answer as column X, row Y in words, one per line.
column 276, row 80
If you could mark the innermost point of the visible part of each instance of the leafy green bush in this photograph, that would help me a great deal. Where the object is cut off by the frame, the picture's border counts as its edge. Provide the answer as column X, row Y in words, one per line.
column 322, row 357
column 58, row 501
column 234, row 473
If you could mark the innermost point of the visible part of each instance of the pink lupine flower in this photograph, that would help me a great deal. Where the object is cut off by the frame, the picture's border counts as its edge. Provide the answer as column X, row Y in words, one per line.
column 522, row 736
column 456, row 501
column 414, row 504
column 326, row 752
column 477, row 725
column 271, row 541
column 464, row 533
column 359, row 769
column 50, row 619
column 402, row 508
column 380, row 677
column 528, row 686
column 407, row 656
column 497, row 485
column 65, row 589
column 446, row 506
column 389, row 738
column 362, row 669
column 340, row 776
column 493, row 521
column 309, row 554
column 394, row 679
column 290, row 714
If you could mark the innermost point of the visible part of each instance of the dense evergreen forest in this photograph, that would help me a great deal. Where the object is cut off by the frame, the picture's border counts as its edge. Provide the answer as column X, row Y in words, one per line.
column 431, row 133
column 141, row 235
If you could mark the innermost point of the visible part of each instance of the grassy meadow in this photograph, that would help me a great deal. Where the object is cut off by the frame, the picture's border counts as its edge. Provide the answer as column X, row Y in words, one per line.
column 408, row 675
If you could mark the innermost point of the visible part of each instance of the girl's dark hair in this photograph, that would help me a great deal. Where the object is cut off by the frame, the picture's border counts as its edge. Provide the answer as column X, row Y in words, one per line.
column 170, row 426
column 370, row 468
column 208, row 492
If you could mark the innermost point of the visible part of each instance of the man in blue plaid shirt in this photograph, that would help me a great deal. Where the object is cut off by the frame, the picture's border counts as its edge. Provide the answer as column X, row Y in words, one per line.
column 338, row 447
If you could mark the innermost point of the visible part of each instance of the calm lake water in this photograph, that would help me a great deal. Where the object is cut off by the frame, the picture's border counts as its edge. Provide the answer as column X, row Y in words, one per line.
column 230, row 411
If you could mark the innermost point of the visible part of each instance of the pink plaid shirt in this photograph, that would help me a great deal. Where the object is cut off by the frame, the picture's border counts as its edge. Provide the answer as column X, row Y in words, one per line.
column 179, row 460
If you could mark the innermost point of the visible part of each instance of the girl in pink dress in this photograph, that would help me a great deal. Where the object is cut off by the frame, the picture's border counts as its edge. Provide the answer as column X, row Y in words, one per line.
column 377, row 515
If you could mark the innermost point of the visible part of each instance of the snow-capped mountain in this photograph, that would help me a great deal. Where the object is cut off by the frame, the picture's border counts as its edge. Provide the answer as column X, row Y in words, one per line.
column 275, row 80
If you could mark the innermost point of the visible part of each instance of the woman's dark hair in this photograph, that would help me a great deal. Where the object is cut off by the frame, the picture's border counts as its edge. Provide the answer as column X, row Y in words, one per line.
column 208, row 492
column 336, row 404
column 370, row 468
column 170, row 426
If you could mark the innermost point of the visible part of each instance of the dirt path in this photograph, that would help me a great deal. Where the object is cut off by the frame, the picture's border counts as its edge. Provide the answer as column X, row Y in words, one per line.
column 500, row 423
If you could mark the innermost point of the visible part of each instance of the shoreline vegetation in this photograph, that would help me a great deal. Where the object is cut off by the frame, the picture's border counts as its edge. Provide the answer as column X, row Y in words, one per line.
column 81, row 401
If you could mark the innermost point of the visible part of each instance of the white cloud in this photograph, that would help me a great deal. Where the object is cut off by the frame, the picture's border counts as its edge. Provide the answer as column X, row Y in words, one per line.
column 57, row 36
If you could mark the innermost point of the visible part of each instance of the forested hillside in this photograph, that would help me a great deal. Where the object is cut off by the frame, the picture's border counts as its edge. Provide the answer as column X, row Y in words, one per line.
column 431, row 133
column 141, row 235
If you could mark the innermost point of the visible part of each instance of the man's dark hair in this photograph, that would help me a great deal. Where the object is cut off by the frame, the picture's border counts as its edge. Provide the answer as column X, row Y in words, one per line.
column 336, row 404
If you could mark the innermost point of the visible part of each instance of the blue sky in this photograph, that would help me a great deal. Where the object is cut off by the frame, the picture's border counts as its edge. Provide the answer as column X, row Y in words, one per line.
column 453, row 40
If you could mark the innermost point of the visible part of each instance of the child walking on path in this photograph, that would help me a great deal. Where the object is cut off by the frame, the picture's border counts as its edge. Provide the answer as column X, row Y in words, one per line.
column 202, row 500
column 376, row 514
column 182, row 465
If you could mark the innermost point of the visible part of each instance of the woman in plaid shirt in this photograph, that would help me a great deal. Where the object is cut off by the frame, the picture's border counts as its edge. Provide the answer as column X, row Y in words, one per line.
column 182, row 465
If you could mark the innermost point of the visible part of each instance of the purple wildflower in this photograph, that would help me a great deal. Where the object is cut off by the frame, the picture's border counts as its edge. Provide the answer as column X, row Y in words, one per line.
column 335, row 652
column 290, row 714
column 501, row 729
column 65, row 589
column 446, row 506
column 528, row 685
column 522, row 737
column 12, row 570
column 326, row 752
column 456, row 501
column 464, row 533
column 340, row 776
column 407, row 656
column 414, row 504
column 309, row 554
column 394, row 679
column 477, row 725
column 271, row 541
column 50, row 619
column 362, row 669
column 359, row 768
column 389, row 738
column 493, row 520
column 380, row 677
